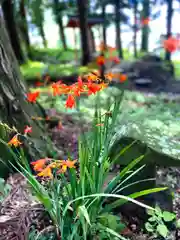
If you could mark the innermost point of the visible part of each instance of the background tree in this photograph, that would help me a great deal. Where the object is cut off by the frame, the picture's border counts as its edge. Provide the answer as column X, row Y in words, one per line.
column 169, row 25
column 24, row 25
column 145, row 29
column 9, row 16
column 36, row 11
column 14, row 108
column 118, row 22
column 83, row 14
column 104, row 22
column 135, row 28
column 58, row 8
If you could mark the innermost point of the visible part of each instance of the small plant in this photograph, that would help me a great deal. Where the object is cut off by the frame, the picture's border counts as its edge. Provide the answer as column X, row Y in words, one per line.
column 4, row 189
column 159, row 221
column 76, row 195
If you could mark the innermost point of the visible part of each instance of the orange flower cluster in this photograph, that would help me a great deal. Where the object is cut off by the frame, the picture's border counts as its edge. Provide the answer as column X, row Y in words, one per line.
column 15, row 141
column 145, row 21
column 74, row 90
column 45, row 166
column 32, row 97
column 101, row 60
column 171, row 44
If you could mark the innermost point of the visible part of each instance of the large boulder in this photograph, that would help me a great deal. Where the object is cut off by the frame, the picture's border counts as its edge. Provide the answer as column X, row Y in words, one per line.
column 158, row 149
column 151, row 72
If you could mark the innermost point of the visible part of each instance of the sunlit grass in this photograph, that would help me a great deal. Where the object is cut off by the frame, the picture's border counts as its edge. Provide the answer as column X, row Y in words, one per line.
column 177, row 68
column 31, row 70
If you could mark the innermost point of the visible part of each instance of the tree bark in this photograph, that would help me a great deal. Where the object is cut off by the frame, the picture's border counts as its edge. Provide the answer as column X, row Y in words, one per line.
column 118, row 28
column 8, row 12
column 104, row 24
column 59, row 21
column 135, row 29
column 24, row 27
column 14, row 108
column 83, row 11
column 169, row 25
column 145, row 29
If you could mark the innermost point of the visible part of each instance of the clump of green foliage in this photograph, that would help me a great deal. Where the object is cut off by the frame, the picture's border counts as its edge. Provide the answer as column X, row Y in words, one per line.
column 159, row 221
column 4, row 189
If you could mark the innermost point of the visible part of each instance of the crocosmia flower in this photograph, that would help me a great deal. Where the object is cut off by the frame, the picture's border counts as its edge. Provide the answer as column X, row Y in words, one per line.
column 39, row 165
column 38, row 84
column 171, row 44
column 32, row 97
column 46, row 172
column 14, row 141
column 56, row 89
column 123, row 77
column 93, row 88
column 116, row 60
column 27, row 129
column 64, row 164
column 145, row 21
column 100, row 60
column 70, row 102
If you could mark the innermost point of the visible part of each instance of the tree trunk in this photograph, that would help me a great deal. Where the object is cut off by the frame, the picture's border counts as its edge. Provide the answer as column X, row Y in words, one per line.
column 8, row 12
column 135, row 29
column 118, row 28
column 62, row 34
column 24, row 26
column 42, row 33
column 58, row 17
column 14, row 108
column 104, row 24
column 83, row 10
column 93, row 40
column 169, row 25
column 145, row 29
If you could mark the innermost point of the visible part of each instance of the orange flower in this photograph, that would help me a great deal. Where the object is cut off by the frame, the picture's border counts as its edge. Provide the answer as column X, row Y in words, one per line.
column 70, row 102
column 39, row 164
column 14, row 141
column 171, row 44
column 46, row 172
column 100, row 60
column 103, row 85
column 102, row 47
column 31, row 97
column 100, row 124
column 77, row 91
column 38, row 84
column 123, row 78
column 93, row 88
column 56, row 89
column 92, row 77
column 109, row 76
column 66, row 164
column 111, row 49
column 145, row 21
column 27, row 130
column 64, row 89
column 80, row 82
column 116, row 60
